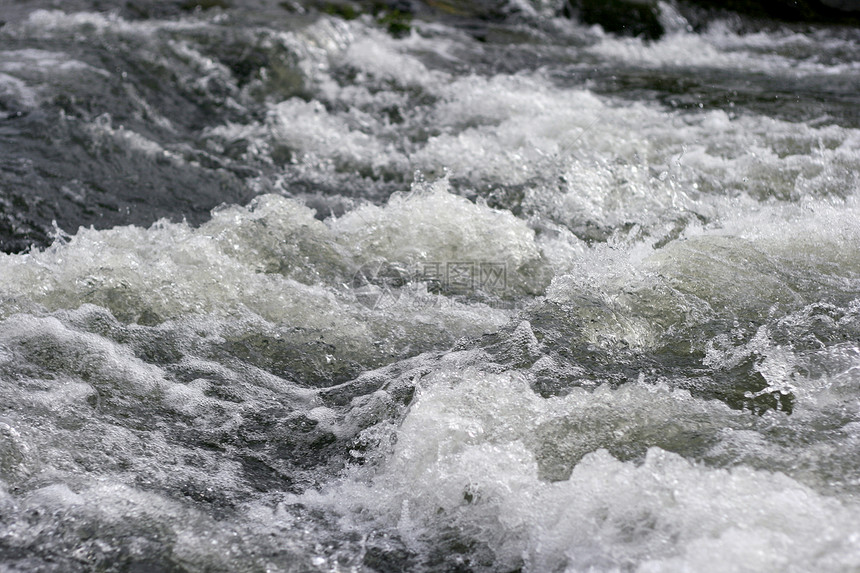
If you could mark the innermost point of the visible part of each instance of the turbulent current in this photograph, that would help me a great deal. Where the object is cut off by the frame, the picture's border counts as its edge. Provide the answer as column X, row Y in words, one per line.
column 456, row 287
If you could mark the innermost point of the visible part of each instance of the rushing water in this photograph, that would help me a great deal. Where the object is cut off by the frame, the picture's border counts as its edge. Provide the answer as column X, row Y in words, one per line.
column 292, row 292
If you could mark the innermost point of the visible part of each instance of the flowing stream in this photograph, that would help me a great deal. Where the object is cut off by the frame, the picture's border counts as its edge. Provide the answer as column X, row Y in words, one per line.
column 290, row 288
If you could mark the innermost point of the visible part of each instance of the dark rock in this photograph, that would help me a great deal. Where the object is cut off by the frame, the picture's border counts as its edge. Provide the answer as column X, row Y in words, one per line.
column 805, row 11
column 844, row 5
column 642, row 17
column 625, row 17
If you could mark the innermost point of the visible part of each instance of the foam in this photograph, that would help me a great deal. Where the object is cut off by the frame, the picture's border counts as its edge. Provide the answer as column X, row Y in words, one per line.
column 694, row 279
column 309, row 128
column 432, row 225
column 25, row 74
column 376, row 54
column 274, row 262
column 31, row 60
column 720, row 48
column 17, row 91
column 56, row 21
column 576, row 159
column 468, row 457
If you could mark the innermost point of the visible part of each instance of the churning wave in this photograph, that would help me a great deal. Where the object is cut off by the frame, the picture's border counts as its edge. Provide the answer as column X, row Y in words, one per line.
column 308, row 288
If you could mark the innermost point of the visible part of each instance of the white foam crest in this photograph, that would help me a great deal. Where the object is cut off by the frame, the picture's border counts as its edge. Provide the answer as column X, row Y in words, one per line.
column 46, row 22
column 16, row 90
column 785, row 252
column 679, row 50
column 809, row 50
column 795, row 247
column 103, row 130
column 25, row 74
column 378, row 55
column 106, row 366
column 822, row 378
column 580, row 158
column 825, row 229
column 276, row 263
column 170, row 269
column 309, row 128
column 468, row 456
column 720, row 48
column 31, row 62
column 191, row 538
column 317, row 46
column 431, row 225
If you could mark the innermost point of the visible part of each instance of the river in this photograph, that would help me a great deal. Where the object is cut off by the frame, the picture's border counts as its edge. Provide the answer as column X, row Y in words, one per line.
column 460, row 287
